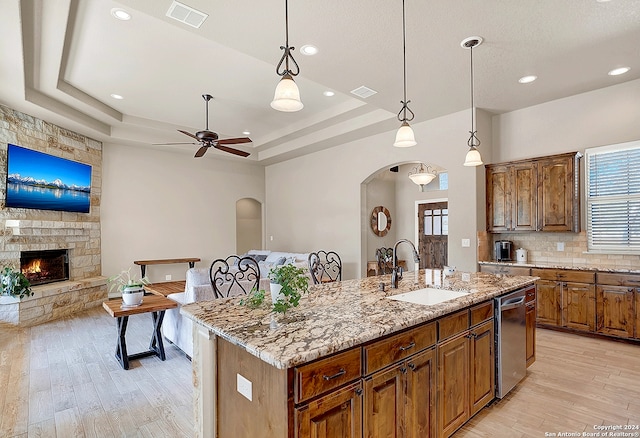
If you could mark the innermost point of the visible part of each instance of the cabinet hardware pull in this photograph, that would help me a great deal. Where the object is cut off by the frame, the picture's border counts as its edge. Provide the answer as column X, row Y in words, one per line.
column 359, row 391
column 412, row 366
column 342, row 372
column 403, row 370
column 408, row 347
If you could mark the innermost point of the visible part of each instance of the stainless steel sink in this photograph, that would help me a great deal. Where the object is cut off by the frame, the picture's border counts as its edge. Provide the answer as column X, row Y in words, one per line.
column 428, row 296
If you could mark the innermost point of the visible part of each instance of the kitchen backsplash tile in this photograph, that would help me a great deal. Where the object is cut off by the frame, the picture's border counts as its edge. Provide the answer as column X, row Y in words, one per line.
column 542, row 248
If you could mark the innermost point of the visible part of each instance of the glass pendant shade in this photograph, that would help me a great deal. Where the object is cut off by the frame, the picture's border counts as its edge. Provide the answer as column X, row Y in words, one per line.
column 404, row 136
column 473, row 157
column 422, row 178
column 287, row 95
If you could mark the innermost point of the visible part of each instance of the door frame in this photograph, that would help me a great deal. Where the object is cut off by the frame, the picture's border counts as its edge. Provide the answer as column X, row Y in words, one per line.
column 416, row 237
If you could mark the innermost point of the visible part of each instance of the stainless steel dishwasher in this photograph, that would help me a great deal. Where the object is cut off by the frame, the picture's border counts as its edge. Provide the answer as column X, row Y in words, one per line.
column 511, row 333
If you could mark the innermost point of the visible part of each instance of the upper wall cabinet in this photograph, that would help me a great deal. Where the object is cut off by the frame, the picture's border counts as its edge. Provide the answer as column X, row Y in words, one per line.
column 539, row 194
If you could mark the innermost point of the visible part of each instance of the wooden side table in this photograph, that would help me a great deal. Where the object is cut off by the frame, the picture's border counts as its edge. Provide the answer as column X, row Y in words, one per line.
column 154, row 304
column 143, row 263
column 372, row 267
column 166, row 287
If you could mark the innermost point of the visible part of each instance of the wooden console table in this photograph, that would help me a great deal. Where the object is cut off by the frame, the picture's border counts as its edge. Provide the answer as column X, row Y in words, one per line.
column 143, row 263
column 154, row 304
column 372, row 267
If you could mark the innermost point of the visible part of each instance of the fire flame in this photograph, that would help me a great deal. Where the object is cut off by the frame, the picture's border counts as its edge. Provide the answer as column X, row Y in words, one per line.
column 33, row 268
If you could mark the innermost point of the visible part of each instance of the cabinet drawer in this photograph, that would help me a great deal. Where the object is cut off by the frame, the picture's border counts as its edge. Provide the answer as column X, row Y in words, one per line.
column 613, row 279
column 481, row 313
column 565, row 275
column 530, row 295
column 315, row 378
column 453, row 324
column 394, row 348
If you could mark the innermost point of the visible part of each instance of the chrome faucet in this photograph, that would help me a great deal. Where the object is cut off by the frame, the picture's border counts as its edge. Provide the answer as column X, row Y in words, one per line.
column 396, row 272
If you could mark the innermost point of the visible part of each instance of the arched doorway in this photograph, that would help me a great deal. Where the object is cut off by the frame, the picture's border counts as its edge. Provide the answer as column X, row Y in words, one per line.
column 248, row 225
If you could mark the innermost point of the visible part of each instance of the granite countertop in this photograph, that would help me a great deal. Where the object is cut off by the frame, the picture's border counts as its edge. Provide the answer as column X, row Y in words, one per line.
column 336, row 316
column 558, row 266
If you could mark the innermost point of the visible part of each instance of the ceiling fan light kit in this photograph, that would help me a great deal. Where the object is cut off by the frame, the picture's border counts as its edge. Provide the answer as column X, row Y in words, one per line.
column 287, row 95
column 473, row 157
column 405, row 137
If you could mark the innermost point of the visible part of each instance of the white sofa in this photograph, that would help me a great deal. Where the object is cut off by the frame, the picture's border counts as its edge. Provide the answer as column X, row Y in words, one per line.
column 179, row 329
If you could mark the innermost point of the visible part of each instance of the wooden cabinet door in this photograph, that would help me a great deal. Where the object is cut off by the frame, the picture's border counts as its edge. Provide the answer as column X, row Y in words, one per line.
column 498, row 199
column 637, row 315
column 557, row 194
column 453, row 384
column 337, row 414
column 384, row 403
column 548, row 300
column 482, row 366
column 614, row 310
column 420, row 407
column 579, row 306
column 524, row 197
column 530, row 317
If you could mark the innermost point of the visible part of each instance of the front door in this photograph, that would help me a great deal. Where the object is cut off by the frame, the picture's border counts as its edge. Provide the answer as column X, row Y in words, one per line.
column 433, row 230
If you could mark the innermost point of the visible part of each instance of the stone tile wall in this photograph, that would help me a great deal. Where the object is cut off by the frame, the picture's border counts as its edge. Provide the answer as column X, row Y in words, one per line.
column 29, row 230
column 542, row 249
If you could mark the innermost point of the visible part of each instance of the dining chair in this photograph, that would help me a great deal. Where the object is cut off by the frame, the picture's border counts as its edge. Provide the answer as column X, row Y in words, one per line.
column 384, row 258
column 325, row 267
column 233, row 276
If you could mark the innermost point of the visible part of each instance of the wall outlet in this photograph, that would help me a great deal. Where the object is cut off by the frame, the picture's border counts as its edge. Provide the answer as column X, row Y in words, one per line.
column 466, row 243
column 244, row 387
column 167, row 277
column 271, row 238
column 560, row 246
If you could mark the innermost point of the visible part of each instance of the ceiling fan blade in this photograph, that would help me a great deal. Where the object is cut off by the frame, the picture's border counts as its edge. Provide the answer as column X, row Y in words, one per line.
column 189, row 134
column 200, row 152
column 235, row 140
column 163, row 144
column 232, row 150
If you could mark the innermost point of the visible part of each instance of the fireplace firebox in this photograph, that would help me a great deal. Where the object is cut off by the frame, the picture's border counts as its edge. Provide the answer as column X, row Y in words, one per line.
column 46, row 266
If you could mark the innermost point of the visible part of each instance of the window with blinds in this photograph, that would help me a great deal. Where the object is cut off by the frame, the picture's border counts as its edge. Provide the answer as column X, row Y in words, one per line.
column 613, row 198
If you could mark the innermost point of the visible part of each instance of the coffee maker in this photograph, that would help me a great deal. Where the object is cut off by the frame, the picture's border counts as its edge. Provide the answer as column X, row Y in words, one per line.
column 503, row 250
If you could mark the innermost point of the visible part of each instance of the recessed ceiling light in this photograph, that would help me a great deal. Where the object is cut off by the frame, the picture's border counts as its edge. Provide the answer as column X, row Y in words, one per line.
column 246, row 132
column 116, row 96
column 120, row 14
column 618, row 71
column 329, row 93
column 527, row 79
column 308, row 49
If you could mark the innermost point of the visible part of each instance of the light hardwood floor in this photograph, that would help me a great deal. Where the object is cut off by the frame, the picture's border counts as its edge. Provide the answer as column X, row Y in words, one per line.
column 61, row 380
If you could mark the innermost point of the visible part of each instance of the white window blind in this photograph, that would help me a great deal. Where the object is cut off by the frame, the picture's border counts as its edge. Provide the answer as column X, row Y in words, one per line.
column 613, row 198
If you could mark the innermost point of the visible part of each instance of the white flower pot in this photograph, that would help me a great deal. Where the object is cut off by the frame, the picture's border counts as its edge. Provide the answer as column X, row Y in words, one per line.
column 132, row 296
column 275, row 291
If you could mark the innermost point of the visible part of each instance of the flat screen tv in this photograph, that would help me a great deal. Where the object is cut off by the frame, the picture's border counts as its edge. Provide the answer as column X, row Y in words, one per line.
column 42, row 181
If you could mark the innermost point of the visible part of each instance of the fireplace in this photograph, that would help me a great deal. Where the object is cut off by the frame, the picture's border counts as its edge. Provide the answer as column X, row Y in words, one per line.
column 45, row 266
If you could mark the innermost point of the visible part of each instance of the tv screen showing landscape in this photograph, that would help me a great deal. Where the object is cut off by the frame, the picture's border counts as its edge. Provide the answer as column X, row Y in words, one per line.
column 42, row 181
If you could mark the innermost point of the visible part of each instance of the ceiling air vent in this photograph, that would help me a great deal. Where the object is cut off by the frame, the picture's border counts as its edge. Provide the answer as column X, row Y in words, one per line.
column 363, row 92
column 186, row 14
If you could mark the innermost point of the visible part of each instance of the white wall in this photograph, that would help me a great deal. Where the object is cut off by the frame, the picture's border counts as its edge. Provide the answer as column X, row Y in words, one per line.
column 313, row 202
column 381, row 190
column 161, row 204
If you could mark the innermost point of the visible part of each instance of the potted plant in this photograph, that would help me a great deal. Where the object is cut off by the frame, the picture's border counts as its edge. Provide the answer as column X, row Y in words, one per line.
column 288, row 283
column 13, row 283
column 131, row 287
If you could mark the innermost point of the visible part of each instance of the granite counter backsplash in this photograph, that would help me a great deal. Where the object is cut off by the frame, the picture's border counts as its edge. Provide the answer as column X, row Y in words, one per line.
column 337, row 316
column 577, row 267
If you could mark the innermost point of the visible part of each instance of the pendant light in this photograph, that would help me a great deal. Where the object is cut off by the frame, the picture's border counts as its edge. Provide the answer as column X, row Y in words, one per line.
column 404, row 137
column 287, row 95
column 422, row 176
column 473, row 156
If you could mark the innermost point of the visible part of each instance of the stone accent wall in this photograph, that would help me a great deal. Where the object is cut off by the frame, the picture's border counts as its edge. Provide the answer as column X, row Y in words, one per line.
column 26, row 229
column 542, row 249
column 31, row 230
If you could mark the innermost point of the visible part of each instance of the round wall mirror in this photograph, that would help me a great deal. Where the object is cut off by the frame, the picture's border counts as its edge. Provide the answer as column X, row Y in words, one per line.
column 380, row 221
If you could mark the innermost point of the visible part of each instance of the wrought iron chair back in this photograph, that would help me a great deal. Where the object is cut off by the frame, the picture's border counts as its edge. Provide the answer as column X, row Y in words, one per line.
column 325, row 267
column 384, row 257
column 234, row 276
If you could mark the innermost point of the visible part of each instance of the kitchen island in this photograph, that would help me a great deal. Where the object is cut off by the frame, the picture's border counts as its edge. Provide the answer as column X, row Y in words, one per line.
column 339, row 363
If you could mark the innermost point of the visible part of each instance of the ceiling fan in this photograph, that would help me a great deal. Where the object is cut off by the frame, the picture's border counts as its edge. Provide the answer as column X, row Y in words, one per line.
column 207, row 138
